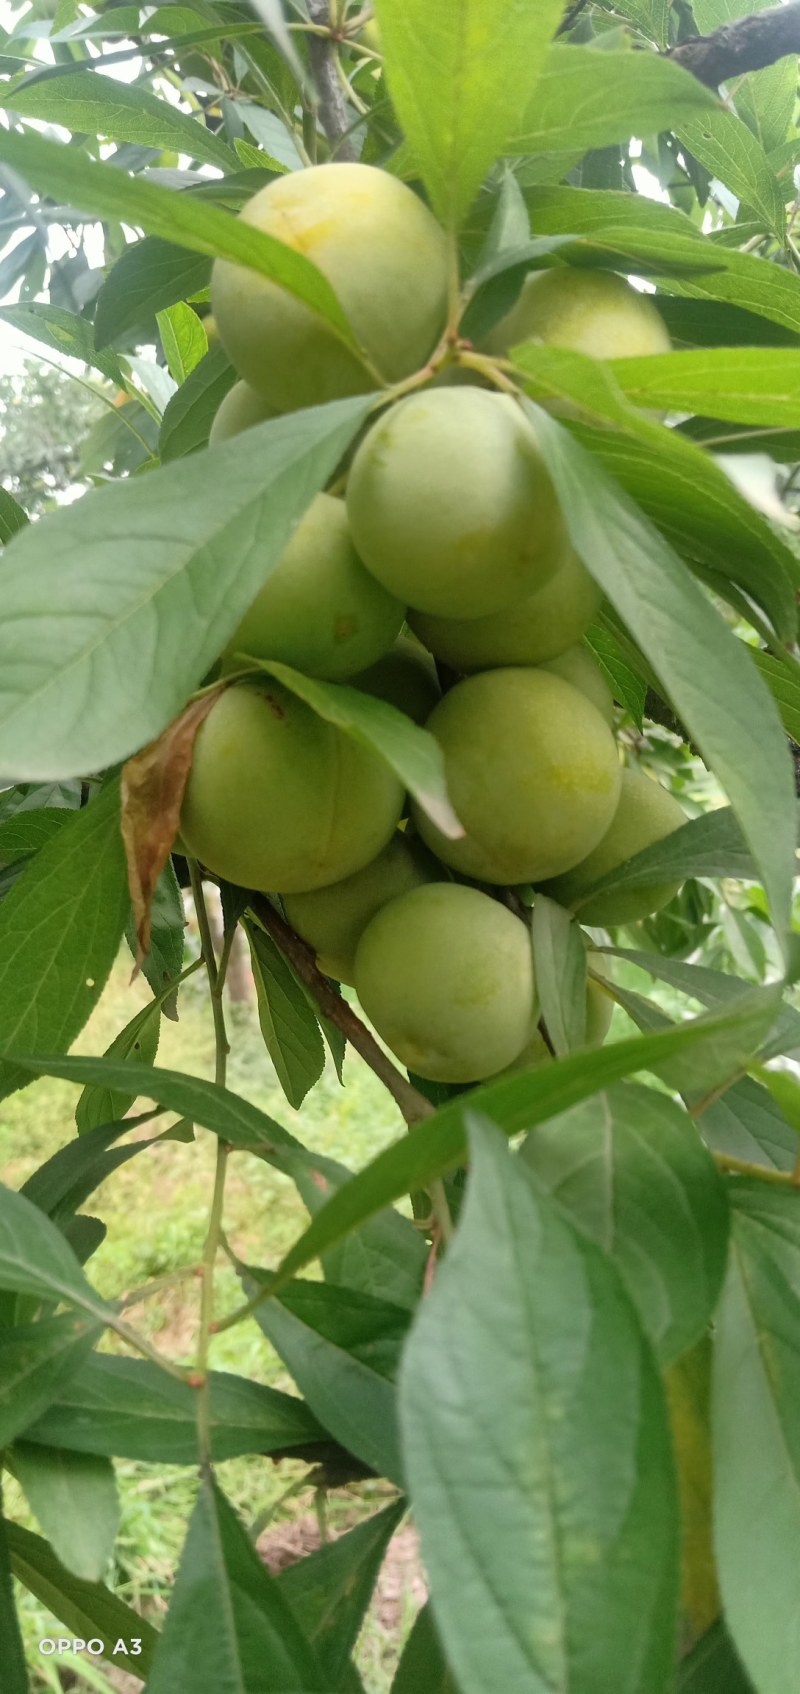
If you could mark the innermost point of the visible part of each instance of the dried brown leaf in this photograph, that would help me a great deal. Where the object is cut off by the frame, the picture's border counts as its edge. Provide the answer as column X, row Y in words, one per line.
column 153, row 786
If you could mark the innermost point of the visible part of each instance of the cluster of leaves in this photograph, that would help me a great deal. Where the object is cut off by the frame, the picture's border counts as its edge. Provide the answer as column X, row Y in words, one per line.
column 551, row 1406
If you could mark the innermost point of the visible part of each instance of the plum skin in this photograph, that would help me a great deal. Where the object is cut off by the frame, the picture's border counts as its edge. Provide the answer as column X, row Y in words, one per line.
column 319, row 609
column 646, row 814
column 590, row 311
column 383, row 253
column 539, row 627
column 532, row 771
column 278, row 799
column 450, row 504
column 332, row 920
column 445, row 975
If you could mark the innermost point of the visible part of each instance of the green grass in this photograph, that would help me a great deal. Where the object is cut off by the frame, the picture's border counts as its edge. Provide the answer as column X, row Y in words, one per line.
column 155, row 1209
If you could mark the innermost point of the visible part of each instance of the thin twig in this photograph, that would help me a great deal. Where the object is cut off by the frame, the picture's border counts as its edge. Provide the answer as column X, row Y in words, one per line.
column 743, row 1167
column 323, row 54
column 746, row 44
column 412, row 1104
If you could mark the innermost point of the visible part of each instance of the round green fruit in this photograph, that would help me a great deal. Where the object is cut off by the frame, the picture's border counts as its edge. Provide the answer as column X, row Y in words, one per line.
column 445, row 974
column 383, row 253
column 646, row 813
column 579, row 667
column 593, row 312
column 320, row 610
column 540, row 627
column 599, row 1012
column 279, row 800
column 240, row 410
column 532, row 771
column 406, row 677
column 332, row 920
column 450, row 504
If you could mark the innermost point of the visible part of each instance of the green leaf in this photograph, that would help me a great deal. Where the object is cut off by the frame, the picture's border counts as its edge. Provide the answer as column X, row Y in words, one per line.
column 626, row 685
column 519, row 1102
column 649, row 16
column 709, row 846
column 422, row 1669
column 412, row 753
column 290, row 1030
column 460, row 76
column 329, row 1590
column 12, row 517
column 60, row 928
column 64, row 332
column 713, row 1666
column 26, row 832
column 745, row 384
column 36, row 1360
column 64, row 1181
column 679, row 487
column 783, row 682
column 338, row 1346
column 149, row 276
column 228, row 1626
column 119, row 574
column 757, row 1433
column 706, row 672
column 107, row 192
column 560, row 958
column 230, row 1117
column 730, row 151
column 74, row 1498
column 386, row 1257
column 551, row 1425
column 86, row 1608
column 590, row 99
column 35, row 1258
column 130, row 1409
column 190, row 412
column 746, row 282
column 137, row 1041
column 86, row 102
column 688, row 1389
column 712, row 988
column 183, row 339
column 630, row 1171
column 746, row 1123
column 15, row 1676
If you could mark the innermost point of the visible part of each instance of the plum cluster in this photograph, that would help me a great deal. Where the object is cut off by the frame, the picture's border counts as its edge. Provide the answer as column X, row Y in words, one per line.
column 440, row 578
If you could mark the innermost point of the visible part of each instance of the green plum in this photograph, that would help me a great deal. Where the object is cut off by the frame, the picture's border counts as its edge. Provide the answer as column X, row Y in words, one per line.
column 319, row 610
column 445, row 975
column 241, row 409
column 279, row 800
column 532, row 771
column 599, row 1012
column 406, row 677
column 593, row 312
column 385, row 257
column 580, row 667
column 646, row 813
column 450, row 504
column 538, row 628
column 332, row 920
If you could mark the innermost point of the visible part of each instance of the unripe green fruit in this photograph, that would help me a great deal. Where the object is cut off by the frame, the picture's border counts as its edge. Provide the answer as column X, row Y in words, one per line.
column 240, row 410
column 599, row 1012
column 646, row 813
column 532, row 771
column 450, row 504
column 319, row 610
column 332, row 920
column 593, row 312
column 385, row 257
column 579, row 667
column 538, row 628
column 406, row 677
column 278, row 799
column 445, row 974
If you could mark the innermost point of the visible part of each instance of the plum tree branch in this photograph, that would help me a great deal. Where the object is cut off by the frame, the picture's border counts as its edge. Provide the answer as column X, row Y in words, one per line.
column 747, row 44
column 412, row 1104
column 323, row 58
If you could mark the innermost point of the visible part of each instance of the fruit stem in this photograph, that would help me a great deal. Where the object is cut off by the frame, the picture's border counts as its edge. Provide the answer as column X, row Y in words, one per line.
column 412, row 1104
column 216, row 982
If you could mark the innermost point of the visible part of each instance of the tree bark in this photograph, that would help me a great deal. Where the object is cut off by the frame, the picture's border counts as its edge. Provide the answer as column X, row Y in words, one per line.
column 748, row 44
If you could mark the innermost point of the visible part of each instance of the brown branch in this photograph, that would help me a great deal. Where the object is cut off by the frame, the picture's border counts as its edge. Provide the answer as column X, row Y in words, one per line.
column 412, row 1104
column 748, row 44
column 323, row 54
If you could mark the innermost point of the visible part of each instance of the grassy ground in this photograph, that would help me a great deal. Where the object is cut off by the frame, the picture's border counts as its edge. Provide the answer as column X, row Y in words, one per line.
column 155, row 1209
